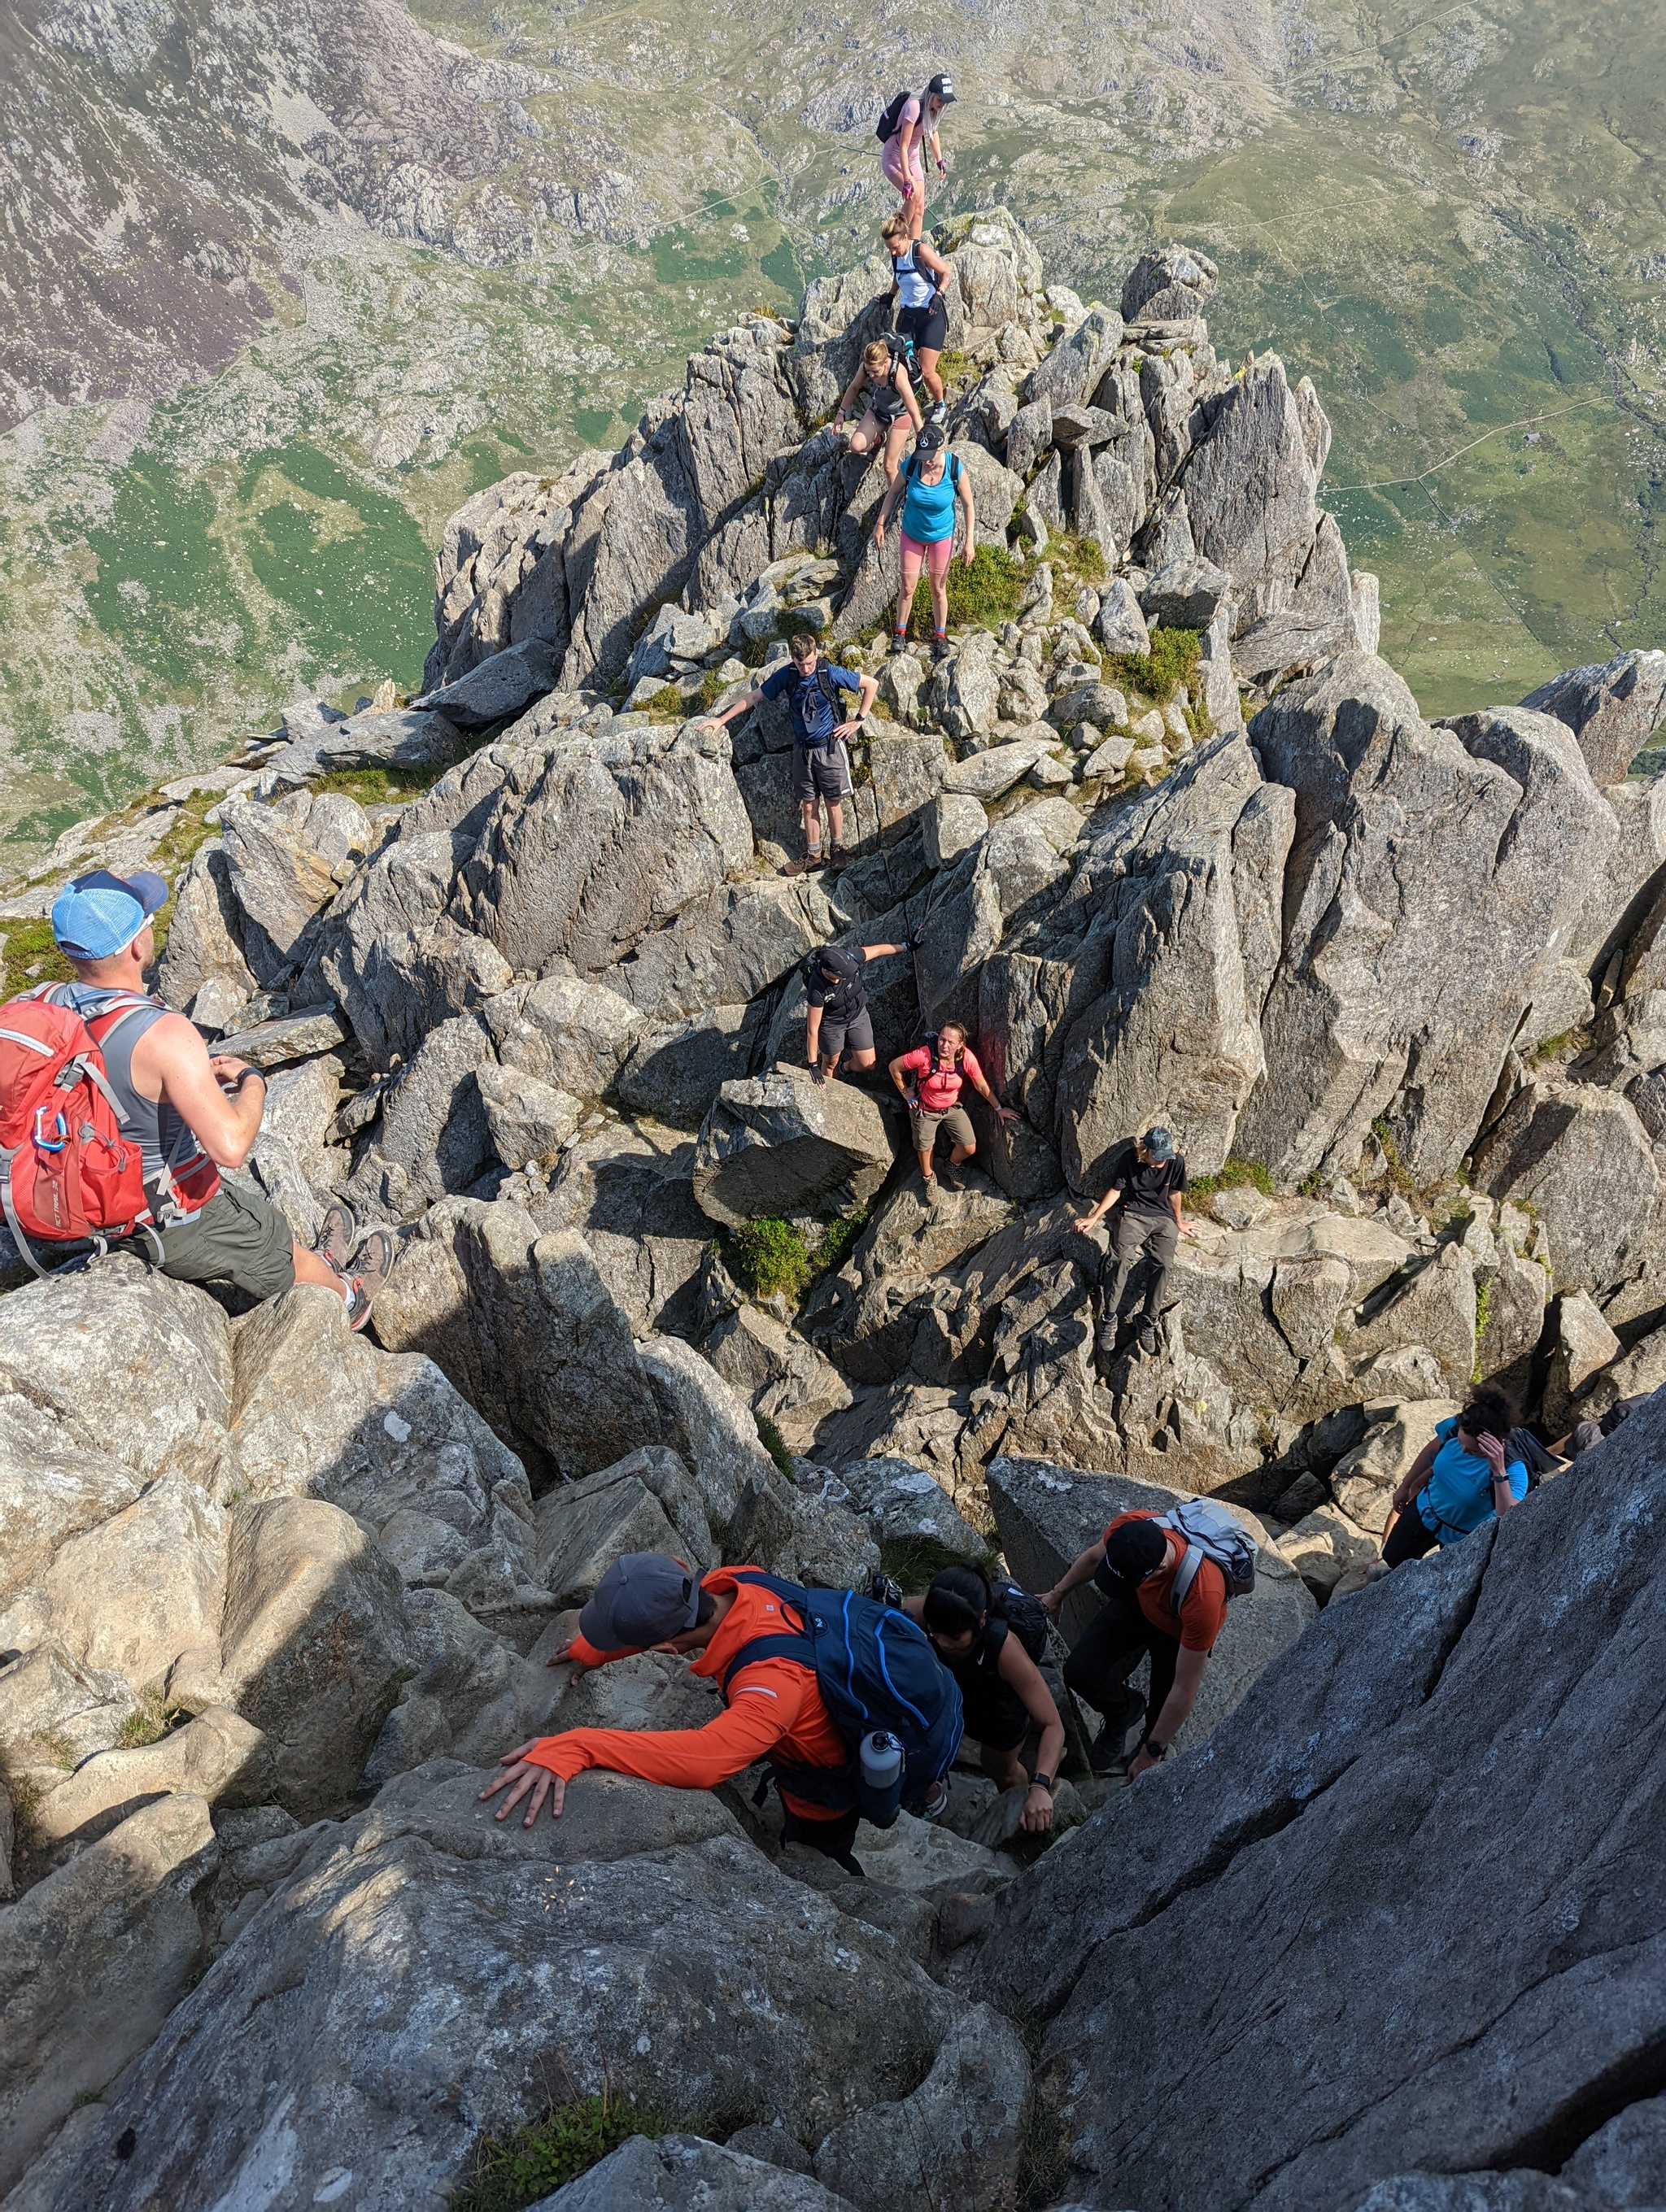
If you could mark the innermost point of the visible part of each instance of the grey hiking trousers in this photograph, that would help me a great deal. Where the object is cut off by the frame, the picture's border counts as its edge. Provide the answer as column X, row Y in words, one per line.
column 1135, row 1238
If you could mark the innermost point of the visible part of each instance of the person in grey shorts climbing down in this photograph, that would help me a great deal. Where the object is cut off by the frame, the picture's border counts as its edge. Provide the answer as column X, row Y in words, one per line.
column 837, row 1019
column 1146, row 1186
column 821, row 735
column 192, row 1114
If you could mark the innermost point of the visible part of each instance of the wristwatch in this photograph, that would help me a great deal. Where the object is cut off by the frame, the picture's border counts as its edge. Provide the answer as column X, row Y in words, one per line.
column 1155, row 1750
column 1043, row 1782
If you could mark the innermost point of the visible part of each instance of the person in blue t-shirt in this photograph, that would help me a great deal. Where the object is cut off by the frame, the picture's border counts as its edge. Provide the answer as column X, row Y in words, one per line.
column 930, row 488
column 821, row 735
column 1460, row 1479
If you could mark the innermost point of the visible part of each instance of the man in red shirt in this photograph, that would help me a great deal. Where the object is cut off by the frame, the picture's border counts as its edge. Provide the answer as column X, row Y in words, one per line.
column 774, row 1707
column 1134, row 1565
column 930, row 1078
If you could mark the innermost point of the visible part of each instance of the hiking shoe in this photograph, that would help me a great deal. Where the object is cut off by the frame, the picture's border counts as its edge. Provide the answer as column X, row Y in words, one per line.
column 937, row 1804
column 1104, row 1344
column 940, row 648
column 1105, row 1754
column 938, row 412
column 372, row 1265
column 336, row 1239
column 950, row 1178
column 806, row 866
column 933, row 1192
column 1147, row 1339
column 838, row 856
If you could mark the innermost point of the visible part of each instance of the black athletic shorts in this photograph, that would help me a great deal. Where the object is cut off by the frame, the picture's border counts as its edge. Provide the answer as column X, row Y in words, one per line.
column 856, row 1031
column 927, row 326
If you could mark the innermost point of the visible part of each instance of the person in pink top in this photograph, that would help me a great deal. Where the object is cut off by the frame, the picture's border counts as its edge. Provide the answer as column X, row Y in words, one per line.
column 904, row 161
column 930, row 1077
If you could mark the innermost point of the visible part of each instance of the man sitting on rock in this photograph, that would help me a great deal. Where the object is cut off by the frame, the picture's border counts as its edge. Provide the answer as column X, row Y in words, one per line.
column 930, row 1077
column 192, row 1114
column 1147, row 1186
column 821, row 733
column 837, row 1019
column 774, row 1709
column 1134, row 1565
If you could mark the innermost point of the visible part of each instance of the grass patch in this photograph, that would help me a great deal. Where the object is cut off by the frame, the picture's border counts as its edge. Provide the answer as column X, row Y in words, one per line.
column 952, row 365
column 148, row 1722
column 667, row 703
column 1044, row 2158
column 184, row 835
column 1565, row 1046
column 26, row 1795
column 981, row 597
column 29, row 955
column 379, row 786
column 1234, row 1175
column 712, row 688
column 915, row 1562
column 511, row 2171
column 1081, row 560
column 58, row 1748
column 774, row 1444
column 837, row 1238
column 769, row 1256
column 1159, row 673
column 1483, row 1312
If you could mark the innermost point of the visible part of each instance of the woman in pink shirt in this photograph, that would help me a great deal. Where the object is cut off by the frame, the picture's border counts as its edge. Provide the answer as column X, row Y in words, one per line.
column 904, row 159
column 930, row 1078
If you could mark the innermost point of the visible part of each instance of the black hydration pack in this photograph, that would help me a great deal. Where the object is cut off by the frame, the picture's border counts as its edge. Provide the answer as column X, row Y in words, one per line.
column 892, row 121
column 1023, row 1615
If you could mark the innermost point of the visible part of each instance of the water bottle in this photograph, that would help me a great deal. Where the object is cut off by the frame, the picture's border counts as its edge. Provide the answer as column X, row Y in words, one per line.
column 879, row 1778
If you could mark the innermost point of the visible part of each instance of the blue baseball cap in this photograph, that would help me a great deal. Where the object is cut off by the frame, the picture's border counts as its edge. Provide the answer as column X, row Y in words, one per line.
column 100, row 915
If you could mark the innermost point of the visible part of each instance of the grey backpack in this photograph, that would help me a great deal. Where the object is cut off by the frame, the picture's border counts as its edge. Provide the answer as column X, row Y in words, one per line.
column 1211, row 1533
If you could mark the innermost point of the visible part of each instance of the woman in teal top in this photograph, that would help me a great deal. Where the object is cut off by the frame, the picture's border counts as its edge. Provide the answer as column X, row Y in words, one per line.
column 929, row 488
column 1461, row 1478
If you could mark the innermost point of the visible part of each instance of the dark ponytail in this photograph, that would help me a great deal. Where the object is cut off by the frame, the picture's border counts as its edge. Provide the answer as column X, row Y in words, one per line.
column 957, row 1601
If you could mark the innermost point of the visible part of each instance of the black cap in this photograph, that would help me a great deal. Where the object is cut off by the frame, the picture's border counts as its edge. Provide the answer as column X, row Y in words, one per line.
column 1158, row 1144
column 1135, row 1549
column 643, row 1599
column 837, row 961
column 931, row 439
column 941, row 88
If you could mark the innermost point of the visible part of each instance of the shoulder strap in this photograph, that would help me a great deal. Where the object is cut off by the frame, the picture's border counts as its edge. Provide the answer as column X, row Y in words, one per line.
column 1184, row 1575
column 825, row 685
column 954, row 470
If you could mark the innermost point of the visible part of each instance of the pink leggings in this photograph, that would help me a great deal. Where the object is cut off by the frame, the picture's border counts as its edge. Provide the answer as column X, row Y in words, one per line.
column 935, row 556
column 892, row 168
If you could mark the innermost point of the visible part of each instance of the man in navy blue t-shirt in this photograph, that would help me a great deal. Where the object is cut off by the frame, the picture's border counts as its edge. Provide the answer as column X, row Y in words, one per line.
column 821, row 763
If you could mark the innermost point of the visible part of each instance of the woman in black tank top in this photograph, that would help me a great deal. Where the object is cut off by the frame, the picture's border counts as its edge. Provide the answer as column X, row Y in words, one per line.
column 1000, row 1686
column 883, row 383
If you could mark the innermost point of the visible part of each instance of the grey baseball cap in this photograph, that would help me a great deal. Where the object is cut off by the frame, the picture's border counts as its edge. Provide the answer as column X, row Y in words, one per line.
column 643, row 1598
column 1159, row 1143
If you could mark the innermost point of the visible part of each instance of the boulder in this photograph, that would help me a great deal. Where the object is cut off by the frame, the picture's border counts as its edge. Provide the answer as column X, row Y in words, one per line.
column 527, row 1120
column 675, row 1071
column 986, row 775
column 1585, row 1346
column 725, row 948
column 92, row 1961
column 138, row 1596
column 649, row 1493
column 1323, row 1545
column 782, row 1377
column 784, row 1143
column 953, row 825
column 626, row 1190
column 683, row 2173
column 551, row 1937
column 1613, row 707
column 906, row 1502
column 204, row 960
column 1029, row 434
column 51, row 1489
column 279, row 881
column 1360, row 1016
column 523, row 1323
column 1168, row 285
column 218, row 1757
column 1435, row 1308
column 969, row 2110
column 314, row 1639
column 1249, row 489
column 1583, row 1160
column 1074, row 367
column 573, row 1035
column 1432, row 1703
column 716, row 1431
column 1119, row 624
column 498, row 690
column 434, row 1136
column 54, row 1713
column 1184, row 595
column 1046, row 1516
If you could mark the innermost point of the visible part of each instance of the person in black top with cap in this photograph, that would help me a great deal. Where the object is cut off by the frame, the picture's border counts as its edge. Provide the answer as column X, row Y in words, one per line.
column 1147, row 1186
column 837, row 1018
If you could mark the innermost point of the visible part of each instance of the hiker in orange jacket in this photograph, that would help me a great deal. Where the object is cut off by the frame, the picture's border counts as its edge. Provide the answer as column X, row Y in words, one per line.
column 775, row 1710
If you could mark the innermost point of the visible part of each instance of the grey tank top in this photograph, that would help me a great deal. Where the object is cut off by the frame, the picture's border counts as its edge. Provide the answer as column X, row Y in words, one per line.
column 165, row 1138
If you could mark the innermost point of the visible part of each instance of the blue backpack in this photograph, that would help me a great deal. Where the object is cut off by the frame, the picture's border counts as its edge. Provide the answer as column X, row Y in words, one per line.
column 876, row 1670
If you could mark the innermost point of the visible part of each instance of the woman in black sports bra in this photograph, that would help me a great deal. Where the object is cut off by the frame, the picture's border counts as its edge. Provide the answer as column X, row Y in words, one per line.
column 890, row 408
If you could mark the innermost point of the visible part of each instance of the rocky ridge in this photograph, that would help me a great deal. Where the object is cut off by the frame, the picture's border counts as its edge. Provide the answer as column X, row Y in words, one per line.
column 1391, row 982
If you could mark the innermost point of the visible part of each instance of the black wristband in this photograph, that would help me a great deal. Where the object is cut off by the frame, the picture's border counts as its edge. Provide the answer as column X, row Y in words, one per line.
column 1043, row 1782
column 1155, row 1750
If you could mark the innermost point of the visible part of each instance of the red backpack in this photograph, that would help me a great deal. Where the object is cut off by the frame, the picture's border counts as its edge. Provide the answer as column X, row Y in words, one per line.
column 68, row 1168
